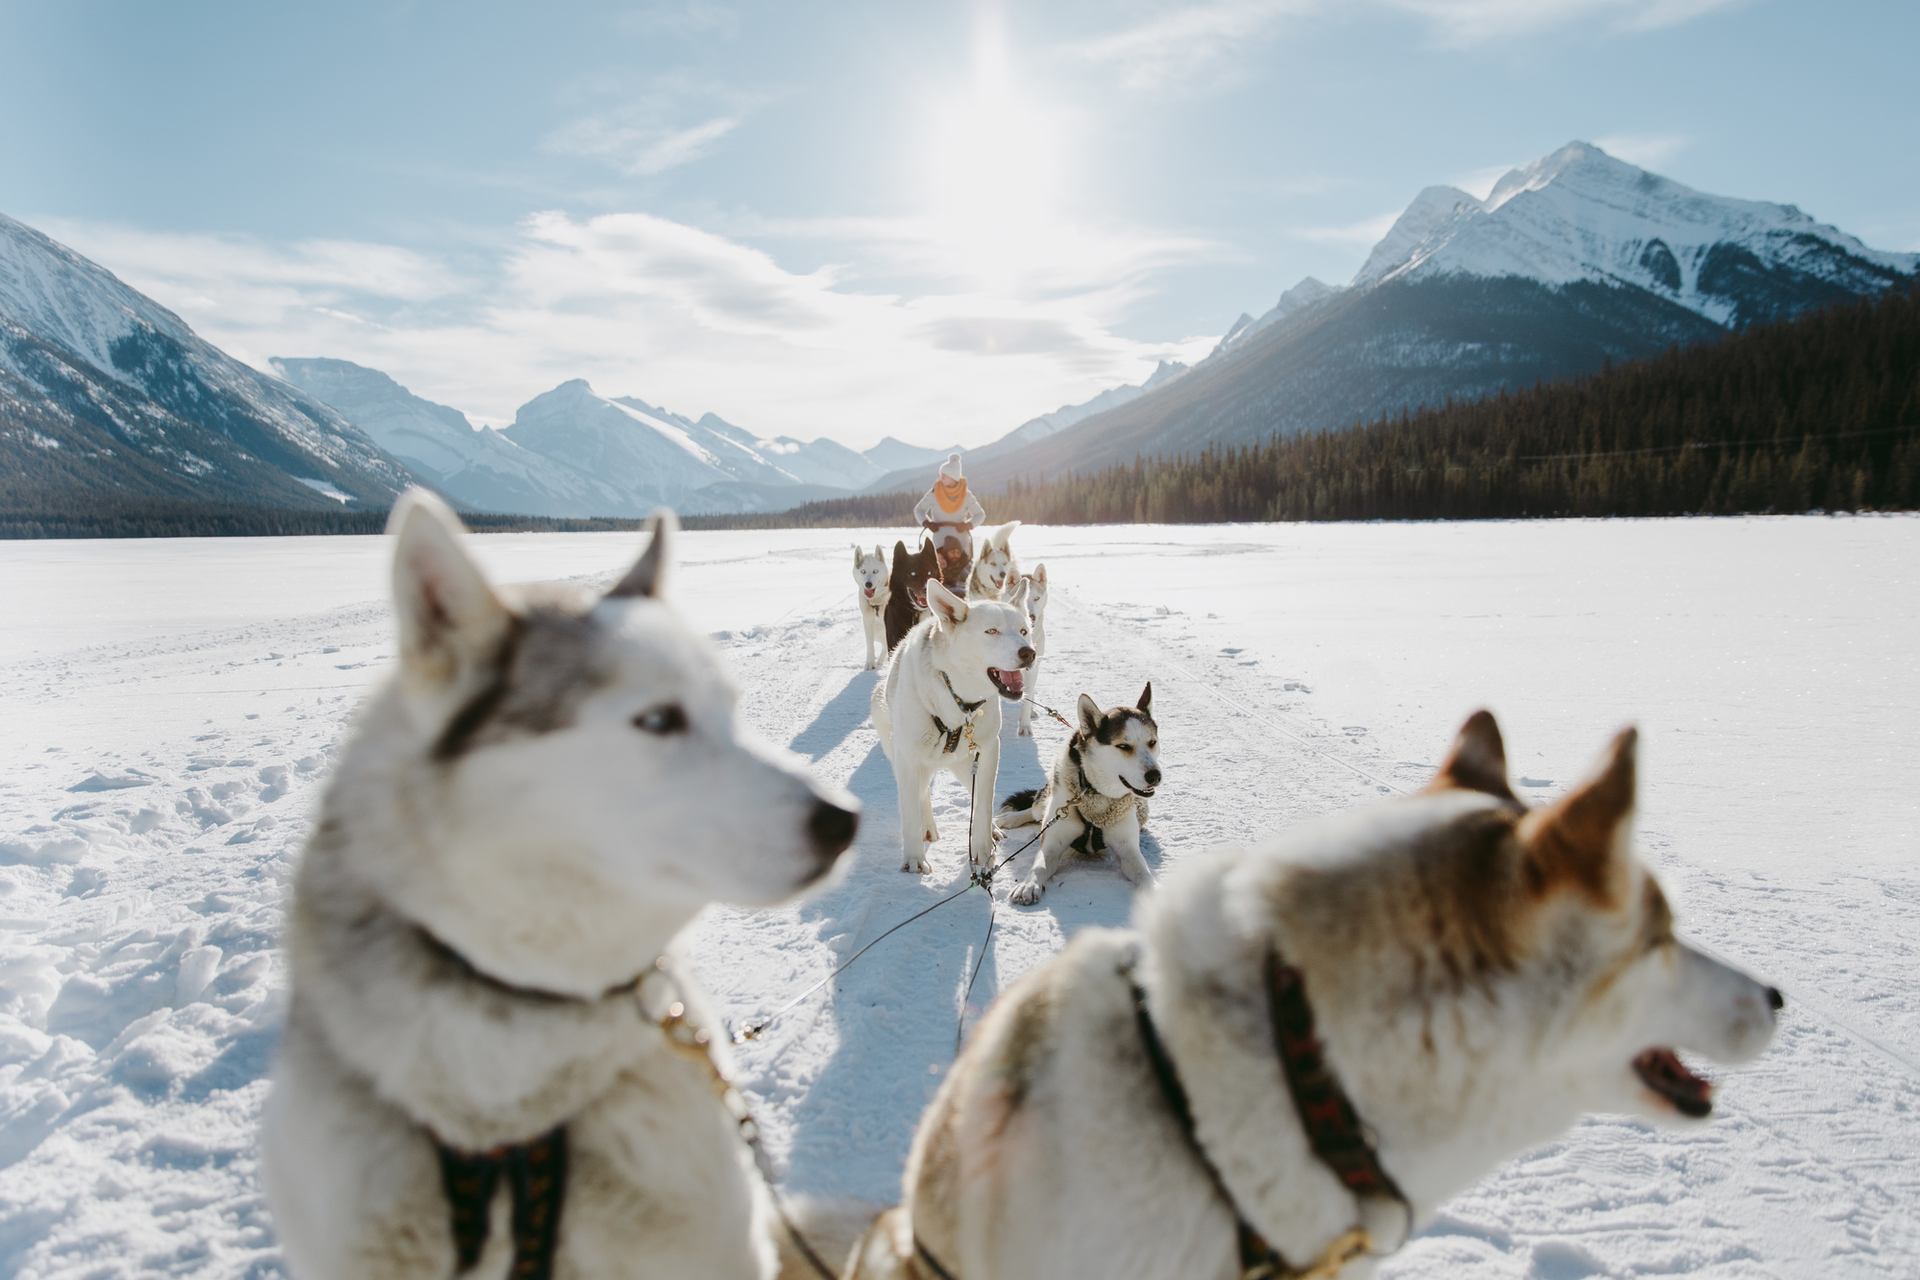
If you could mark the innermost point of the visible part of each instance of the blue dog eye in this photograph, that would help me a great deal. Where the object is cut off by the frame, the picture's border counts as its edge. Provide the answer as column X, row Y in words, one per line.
column 662, row 719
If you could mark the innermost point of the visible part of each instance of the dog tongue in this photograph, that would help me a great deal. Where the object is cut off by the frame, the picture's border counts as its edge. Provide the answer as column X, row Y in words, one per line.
column 1012, row 681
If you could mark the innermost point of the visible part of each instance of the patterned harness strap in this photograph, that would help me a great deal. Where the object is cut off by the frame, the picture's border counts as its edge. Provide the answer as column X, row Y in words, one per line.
column 536, row 1175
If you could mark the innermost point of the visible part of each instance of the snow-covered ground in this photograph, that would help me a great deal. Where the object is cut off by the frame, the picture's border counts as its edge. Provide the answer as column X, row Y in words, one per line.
column 172, row 707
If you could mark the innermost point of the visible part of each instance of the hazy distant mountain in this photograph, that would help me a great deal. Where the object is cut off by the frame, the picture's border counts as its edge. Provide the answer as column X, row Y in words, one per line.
column 1572, row 261
column 1033, row 429
column 894, row 455
column 106, row 394
column 480, row 470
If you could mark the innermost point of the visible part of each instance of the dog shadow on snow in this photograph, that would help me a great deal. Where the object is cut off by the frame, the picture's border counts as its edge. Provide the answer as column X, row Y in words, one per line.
column 883, row 1040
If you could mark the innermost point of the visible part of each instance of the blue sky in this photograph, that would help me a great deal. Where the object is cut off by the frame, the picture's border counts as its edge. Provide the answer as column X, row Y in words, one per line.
column 931, row 220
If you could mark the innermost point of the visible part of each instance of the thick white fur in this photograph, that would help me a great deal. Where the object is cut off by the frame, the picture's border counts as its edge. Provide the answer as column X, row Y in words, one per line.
column 565, row 860
column 1037, row 610
column 959, row 640
column 871, row 591
column 1049, row 1150
column 995, row 570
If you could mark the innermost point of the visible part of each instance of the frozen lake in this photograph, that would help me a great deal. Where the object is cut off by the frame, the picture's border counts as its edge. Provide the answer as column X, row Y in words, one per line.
column 172, row 707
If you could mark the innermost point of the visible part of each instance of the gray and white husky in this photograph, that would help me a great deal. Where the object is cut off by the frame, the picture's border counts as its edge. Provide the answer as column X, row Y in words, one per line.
column 1096, row 795
column 1037, row 611
column 1302, row 1050
column 995, row 570
column 871, row 593
column 544, row 793
column 938, row 707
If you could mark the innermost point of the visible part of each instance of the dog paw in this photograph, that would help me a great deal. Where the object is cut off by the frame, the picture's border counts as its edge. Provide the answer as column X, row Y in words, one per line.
column 1026, row 731
column 918, row 866
column 1026, row 893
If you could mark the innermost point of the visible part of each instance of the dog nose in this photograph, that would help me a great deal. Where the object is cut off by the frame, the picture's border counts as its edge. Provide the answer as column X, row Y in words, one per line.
column 1775, row 1000
column 1027, row 655
column 831, row 828
column 1153, row 777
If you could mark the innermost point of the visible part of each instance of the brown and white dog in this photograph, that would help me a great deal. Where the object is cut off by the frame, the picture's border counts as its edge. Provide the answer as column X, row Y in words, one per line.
column 1475, row 975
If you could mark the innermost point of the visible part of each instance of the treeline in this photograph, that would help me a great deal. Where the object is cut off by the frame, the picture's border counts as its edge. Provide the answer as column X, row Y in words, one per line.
column 1817, row 414
column 95, row 518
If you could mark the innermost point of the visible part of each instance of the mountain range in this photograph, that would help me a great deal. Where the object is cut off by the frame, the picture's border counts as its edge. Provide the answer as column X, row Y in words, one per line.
column 1574, row 261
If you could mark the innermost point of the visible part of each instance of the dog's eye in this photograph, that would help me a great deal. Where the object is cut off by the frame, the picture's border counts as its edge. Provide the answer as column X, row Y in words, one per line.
column 993, row 631
column 663, row 719
column 1127, row 747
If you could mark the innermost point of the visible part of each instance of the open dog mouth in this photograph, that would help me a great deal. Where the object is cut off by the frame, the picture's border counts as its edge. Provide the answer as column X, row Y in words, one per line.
column 869, row 591
column 1662, row 1071
column 918, row 597
column 1139, row 791
column 1011, row 684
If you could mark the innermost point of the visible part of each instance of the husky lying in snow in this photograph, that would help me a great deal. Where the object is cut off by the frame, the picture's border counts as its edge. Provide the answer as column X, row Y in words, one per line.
column 871, row 593
column 477, row 1072
column 1036, row 610
column 936, row 708
column 1304, row 1049
column 994, row 568
column 1096, row 795
column 907, row 589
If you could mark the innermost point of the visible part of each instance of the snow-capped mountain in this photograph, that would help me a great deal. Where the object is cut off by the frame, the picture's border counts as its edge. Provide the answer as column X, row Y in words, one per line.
column 1570, row 262
column 652, row 456
column 1301, row 296
column 125, row 400
column 479, row 470
column 1580, row 214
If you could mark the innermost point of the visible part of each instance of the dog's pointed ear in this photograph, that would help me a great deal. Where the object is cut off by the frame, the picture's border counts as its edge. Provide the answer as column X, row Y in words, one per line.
column 1040, row 575
column 1581, row 840
column 879, row 553
column 857, row 553
column 947, row 607
column 448, row 612
column 1146, row 699
column 1018, row 597
column 899, row 553
column 1089, row 714
column 1477, row 761
column 648, row 577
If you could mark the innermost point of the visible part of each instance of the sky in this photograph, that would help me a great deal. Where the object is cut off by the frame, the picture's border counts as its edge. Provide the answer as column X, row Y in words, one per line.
column 931, row 220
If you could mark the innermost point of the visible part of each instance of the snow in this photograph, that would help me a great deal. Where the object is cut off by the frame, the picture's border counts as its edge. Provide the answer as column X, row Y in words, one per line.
column 173, row 708
column 325, row 489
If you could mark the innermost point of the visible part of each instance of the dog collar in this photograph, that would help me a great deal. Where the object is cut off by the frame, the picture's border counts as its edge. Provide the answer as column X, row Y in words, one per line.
column 1332, row 1126
column 448, row 954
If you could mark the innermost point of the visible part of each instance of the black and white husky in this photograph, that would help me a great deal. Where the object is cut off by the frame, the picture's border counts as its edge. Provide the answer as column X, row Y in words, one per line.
column 1096, row 796
column 486, row 1037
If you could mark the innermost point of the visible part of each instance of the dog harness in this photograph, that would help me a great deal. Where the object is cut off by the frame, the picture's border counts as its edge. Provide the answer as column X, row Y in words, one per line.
column 1095, row 810
column 1334, row 1129
column 536, row 1170
column 968, row 710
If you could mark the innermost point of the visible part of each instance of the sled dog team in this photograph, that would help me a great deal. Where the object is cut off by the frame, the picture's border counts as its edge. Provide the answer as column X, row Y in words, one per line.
column 493, row 1065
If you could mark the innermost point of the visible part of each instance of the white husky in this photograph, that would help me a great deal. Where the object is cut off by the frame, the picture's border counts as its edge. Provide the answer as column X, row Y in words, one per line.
column 937, row 708
column 870, row 596
column 995, row 570
column 1036, row 610
column 1095, row 797
column 1304, row 1049
column 482, row 1038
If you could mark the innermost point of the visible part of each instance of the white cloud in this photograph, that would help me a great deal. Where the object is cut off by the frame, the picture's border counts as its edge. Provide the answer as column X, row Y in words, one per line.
column 643, row 305
column 1197, row 44
column 1362, row 234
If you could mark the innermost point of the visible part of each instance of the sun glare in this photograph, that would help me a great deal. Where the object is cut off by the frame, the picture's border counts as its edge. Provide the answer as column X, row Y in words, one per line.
column 995, row 157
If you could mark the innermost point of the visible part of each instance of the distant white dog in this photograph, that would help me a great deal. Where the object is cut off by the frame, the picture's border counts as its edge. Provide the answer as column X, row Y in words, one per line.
column 870, row 574
column 1036, row 610
column 938, row 708
column 1302, row 1050
column 995, row 569
column 490, row 1063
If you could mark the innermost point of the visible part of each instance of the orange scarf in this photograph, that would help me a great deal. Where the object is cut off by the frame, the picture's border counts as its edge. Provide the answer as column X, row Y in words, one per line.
column 950, row 494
